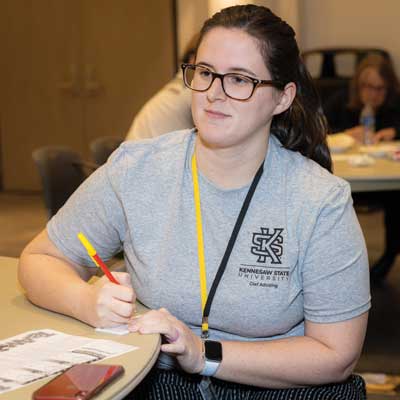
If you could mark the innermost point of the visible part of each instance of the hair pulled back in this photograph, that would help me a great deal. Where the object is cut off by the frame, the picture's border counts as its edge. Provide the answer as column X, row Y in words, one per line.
column 302, row 127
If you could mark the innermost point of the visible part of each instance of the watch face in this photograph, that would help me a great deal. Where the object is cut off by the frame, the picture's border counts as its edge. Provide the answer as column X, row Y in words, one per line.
column 213, row 350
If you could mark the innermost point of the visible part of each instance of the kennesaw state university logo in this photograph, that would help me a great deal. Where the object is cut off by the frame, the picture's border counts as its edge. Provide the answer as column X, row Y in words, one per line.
column 268, row 244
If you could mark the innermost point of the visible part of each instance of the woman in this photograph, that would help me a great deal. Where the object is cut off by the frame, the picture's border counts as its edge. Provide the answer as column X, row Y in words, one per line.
column 374, row 83
column 290, row 308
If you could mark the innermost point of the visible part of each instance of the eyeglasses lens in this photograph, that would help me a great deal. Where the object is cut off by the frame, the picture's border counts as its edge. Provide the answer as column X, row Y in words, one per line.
column 235, row 86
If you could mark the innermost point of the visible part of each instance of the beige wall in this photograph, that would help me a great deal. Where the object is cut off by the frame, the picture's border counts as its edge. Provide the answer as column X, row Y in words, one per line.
column 191, row 14
column 318, row 23
column 216, row 5
column 351, row 23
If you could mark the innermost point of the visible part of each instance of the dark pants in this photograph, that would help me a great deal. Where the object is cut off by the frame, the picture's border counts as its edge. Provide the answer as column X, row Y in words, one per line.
column 163, row 385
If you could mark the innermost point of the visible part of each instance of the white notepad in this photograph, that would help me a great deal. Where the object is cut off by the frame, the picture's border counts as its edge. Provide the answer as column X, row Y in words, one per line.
column 115, row 330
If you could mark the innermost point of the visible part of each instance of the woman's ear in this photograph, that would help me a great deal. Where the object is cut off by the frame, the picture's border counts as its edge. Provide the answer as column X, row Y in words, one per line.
column 285, row 98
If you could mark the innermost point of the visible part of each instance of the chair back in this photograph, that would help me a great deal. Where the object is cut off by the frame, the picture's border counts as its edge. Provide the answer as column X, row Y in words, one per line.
column 61, row 171
column 330, row 59
column 102, row 147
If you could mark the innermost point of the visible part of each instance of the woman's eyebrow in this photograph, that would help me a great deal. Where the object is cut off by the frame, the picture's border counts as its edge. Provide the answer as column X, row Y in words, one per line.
column 232, row 69
column 204, row 64
column 245, row 71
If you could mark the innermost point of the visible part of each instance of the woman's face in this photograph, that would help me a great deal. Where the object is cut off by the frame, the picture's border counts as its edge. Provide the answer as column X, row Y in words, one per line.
column 223, row 122
column 372, row 87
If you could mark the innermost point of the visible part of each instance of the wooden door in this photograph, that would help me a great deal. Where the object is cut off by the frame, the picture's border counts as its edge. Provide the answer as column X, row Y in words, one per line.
column 128, row 53
column 74, row 70
column 40, row 48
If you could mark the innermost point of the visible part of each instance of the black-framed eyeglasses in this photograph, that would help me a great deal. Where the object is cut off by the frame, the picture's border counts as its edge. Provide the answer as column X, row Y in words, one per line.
column 236, row 86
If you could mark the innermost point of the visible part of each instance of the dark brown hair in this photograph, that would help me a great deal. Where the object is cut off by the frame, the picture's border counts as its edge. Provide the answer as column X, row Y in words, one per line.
column 303, row 126
column 384, row 67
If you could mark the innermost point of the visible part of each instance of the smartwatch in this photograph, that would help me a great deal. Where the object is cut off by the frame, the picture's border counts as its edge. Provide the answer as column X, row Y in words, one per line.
column 212, row 357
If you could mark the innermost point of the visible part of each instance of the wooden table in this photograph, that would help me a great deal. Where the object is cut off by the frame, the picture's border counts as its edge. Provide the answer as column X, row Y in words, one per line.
column 18, row 315
column 384, row 174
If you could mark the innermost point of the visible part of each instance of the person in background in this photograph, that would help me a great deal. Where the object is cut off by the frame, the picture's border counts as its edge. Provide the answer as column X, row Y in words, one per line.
column 374, row 83
column 169, row 109
column 236, row 235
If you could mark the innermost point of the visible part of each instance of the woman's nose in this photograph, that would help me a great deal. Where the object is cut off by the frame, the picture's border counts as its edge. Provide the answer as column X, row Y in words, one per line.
column 216, row 91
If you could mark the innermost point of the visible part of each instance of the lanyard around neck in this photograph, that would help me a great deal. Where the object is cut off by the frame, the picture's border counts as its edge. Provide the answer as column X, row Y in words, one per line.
column 206, row 301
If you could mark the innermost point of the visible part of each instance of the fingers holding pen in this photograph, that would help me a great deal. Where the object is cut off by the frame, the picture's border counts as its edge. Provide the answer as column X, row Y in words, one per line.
column 112, row 304
column 123, row 278
column 111, row 299
column 120, row 292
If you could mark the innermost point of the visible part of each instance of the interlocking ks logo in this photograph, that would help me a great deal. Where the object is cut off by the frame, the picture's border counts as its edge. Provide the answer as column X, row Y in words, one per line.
column 268, row 244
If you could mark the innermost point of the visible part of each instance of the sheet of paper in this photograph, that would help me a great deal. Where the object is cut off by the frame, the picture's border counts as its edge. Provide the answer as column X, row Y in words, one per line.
column 115, row 330
column 35, row 355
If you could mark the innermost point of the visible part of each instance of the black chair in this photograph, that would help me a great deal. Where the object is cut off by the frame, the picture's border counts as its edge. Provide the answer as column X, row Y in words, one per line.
column 61, row 171
column 102, row 147
column 330, row 55
column 328, row 79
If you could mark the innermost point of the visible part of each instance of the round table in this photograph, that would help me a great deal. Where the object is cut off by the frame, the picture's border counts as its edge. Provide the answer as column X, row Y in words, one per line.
column 18, row 315
column 383, row 174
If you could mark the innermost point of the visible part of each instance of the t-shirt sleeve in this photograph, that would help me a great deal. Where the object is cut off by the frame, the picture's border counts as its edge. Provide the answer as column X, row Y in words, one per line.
column 95, row 209
column 335, row 270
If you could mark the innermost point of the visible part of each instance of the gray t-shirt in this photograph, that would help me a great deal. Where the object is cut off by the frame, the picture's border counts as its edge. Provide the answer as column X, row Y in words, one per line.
column 300, row 253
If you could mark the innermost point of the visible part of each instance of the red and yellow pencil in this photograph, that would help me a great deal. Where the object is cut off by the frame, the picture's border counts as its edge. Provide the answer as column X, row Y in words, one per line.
column 96, row 258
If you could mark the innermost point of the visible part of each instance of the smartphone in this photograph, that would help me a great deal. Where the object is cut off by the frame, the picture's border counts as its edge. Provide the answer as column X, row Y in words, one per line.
column 80, row 382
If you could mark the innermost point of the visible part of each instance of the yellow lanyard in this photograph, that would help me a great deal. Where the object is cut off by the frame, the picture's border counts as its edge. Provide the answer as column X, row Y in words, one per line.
column 206, row 300
column 200, row 243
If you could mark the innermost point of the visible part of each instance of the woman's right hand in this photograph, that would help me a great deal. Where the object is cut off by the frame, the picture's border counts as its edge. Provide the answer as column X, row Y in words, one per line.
column 357, row 133
column 110, row 304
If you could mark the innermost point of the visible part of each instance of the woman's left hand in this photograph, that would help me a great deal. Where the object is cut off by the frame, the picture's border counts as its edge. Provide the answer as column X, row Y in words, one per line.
column 385, row 135
column 181, row 341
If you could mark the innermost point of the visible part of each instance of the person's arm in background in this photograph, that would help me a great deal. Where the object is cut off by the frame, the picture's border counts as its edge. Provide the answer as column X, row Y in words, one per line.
column 167, row 111
column 141, row 127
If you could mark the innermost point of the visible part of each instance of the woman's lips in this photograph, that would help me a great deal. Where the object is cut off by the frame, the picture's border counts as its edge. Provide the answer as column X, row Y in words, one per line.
column 216, row 114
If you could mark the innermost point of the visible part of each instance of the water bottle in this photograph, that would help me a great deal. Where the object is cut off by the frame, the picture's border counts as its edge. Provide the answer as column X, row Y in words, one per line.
column 367, row 120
